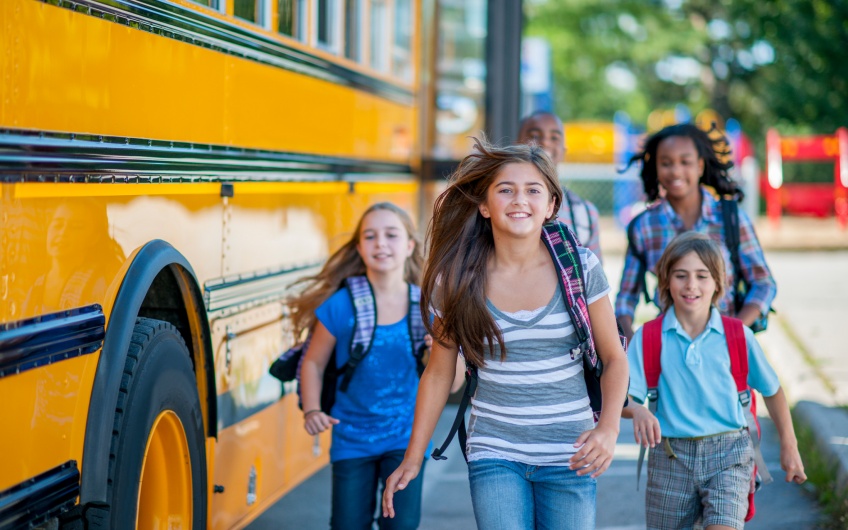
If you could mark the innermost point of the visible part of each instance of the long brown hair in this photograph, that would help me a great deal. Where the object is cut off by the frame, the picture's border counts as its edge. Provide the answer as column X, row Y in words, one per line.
column 460, row 243
column 346, row 262
column 708, row 252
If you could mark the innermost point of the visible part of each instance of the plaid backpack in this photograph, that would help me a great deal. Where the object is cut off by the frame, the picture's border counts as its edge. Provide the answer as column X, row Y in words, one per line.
column 738, row 350
column 287, row 366
column 562, row 245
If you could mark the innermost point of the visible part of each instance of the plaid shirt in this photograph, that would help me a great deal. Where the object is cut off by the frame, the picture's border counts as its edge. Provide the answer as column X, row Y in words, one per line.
column 658, row 225
column 581, row 216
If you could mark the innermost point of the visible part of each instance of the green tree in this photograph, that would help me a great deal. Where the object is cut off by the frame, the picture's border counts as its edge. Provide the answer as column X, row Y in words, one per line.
column 776, row 63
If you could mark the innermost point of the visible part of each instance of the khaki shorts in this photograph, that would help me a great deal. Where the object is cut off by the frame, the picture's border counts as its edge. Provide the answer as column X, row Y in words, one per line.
column 704, row 479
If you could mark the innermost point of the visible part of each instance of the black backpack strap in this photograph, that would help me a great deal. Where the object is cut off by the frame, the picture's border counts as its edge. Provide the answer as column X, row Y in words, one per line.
column 417, row 331
column 459, row 421
column 640, row 257
column 365, row 316
column 730, row 221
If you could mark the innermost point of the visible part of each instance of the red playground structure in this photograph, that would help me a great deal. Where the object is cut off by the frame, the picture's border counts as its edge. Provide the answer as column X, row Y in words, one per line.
column 818, row 199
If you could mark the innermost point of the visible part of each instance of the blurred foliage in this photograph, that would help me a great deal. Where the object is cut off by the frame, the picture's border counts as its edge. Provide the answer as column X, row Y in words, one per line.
column 781, row 63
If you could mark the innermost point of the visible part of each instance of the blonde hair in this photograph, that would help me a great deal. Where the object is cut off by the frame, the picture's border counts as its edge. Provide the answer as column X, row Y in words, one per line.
column 344, row 263
column 708, row 252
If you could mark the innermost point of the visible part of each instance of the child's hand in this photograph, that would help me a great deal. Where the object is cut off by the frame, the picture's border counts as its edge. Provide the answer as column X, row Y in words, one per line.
column 403, row 475
column 790, row 461
column 316, row 422
column 595, row 455
column 646, row 427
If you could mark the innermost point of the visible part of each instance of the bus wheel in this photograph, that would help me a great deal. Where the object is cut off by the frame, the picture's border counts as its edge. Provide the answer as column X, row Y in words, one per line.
column 157, row 470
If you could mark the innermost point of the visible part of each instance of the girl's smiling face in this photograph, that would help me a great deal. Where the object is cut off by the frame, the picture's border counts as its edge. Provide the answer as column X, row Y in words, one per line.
column 691, row 286
column 518, row 201
column 384, row 244
column 679, row 167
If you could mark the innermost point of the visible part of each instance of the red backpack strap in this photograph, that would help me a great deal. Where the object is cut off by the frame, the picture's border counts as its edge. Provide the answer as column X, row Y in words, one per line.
column 651, row 349
column 738, row 349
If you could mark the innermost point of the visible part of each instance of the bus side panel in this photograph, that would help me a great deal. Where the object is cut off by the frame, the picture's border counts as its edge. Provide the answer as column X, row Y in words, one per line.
column 69, row 71
column 67, row 246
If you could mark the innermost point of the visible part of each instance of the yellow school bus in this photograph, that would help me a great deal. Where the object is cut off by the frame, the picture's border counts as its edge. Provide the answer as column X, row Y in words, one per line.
column 168, row 168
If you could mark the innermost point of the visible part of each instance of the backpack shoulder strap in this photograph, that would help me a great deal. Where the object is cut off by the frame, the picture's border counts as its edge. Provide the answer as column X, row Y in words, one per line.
column 640, row 257
column 730, row 225
column 417, row 331
column 459, row 420
column 562, row 245
column 651, row 355
column 737, row 347
column 365, row 318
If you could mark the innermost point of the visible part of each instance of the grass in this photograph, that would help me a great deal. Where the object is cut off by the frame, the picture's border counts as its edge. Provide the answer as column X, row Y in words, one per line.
column 821, row 473
column 811, row 361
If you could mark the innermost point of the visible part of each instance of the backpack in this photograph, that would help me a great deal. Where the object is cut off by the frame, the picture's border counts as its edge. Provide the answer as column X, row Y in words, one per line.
column 737, row 347
column 730, row 222
column 287, row 366
column 562, row 245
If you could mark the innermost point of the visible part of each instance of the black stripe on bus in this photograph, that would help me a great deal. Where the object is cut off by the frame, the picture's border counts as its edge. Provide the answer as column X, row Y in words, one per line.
column 64, row 157
column 50, row 338
column 197, row 28
column 41, row 497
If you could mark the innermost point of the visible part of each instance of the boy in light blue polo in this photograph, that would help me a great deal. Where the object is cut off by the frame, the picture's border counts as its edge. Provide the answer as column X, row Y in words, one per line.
column 703, row 462
column 699, row 370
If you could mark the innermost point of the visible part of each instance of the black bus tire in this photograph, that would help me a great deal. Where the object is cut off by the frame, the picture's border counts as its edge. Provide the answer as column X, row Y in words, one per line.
column 158, row 388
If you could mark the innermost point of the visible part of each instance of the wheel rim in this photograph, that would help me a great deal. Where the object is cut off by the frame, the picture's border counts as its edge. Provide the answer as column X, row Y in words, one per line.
column 164, row 493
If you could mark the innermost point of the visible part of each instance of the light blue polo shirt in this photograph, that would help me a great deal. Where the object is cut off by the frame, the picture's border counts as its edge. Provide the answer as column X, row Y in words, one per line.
column 697, row 394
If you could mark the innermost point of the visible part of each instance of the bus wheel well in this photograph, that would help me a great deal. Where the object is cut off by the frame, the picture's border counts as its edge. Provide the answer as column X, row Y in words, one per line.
column 164, row 301
column 174, row 297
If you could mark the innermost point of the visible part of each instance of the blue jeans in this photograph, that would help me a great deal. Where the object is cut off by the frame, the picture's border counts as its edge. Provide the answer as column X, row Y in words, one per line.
column 355, row 482
column 512, row 496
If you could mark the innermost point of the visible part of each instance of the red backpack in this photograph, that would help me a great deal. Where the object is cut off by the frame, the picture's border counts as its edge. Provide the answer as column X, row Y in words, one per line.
column 738, row 349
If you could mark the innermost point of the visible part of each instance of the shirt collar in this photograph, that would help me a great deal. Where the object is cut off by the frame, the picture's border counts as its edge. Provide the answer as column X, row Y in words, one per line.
column 709, row 210
column 670, row 321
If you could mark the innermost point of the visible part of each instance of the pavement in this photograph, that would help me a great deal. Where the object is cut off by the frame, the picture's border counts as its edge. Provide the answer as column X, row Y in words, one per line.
column 804, row 343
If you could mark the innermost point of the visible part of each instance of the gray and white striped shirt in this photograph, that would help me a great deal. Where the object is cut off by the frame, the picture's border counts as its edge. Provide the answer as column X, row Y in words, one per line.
column 532, row 407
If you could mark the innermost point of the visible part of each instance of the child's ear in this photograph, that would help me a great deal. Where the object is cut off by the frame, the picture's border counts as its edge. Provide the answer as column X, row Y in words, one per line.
column 484, row 210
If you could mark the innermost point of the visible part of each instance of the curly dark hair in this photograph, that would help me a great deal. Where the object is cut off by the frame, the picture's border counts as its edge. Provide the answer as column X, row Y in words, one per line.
column 713, row 148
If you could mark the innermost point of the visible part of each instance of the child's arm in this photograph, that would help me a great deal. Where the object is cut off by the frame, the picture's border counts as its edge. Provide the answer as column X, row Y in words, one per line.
column 646, row 426
column 312, row 379
column 433, row 390
column 598, row 444
column 790, row 458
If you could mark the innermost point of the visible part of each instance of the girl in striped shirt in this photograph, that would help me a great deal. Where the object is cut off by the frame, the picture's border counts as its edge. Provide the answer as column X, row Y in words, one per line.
column 493, row 287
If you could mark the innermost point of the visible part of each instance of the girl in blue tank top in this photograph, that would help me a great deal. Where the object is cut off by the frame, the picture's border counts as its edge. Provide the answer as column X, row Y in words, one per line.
column 372, row 419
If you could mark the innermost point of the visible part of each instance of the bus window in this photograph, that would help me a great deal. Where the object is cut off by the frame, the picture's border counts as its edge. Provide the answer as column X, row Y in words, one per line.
column 252, row 10
column 379, row 36
column 291, row 18
column 328, row 27
column 354, row 21
column 402, row 49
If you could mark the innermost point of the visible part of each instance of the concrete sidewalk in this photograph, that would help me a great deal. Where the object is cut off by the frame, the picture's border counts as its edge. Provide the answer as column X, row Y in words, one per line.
column 807, row 335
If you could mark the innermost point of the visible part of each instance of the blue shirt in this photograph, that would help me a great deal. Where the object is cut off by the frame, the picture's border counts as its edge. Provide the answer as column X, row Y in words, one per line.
column 697, row 394
column 375, row 414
